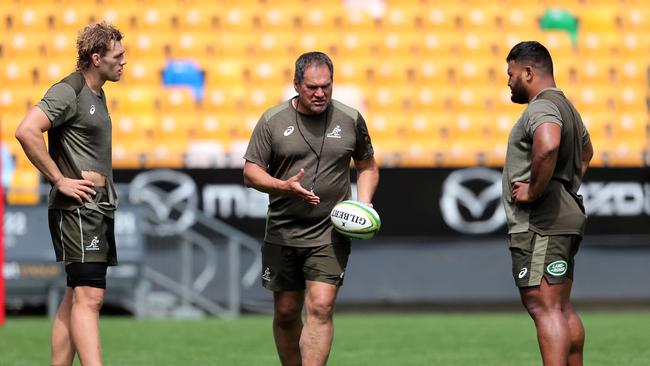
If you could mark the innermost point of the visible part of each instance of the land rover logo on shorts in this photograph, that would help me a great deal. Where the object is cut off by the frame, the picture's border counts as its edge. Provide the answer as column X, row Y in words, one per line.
column 288, row 131
column 557, row 268
column 92, row 109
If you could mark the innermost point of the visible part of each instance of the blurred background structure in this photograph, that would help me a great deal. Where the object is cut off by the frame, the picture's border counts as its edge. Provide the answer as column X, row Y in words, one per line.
column 429, row 77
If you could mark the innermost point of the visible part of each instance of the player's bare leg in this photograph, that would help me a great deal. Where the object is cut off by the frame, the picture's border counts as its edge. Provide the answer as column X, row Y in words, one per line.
column 576, row 329
column 86, row 303
column 318, row 332
column 544, row 304
column 62, row 347
column 287, row 325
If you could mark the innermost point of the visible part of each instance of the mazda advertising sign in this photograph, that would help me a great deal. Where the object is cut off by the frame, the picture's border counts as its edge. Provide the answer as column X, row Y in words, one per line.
column 411, row 202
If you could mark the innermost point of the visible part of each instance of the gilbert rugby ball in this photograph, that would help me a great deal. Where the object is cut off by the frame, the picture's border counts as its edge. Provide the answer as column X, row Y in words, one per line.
column 355, row 220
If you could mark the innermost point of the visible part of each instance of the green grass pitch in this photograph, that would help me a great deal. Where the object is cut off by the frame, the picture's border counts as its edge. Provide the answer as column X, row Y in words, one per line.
column 613, row 338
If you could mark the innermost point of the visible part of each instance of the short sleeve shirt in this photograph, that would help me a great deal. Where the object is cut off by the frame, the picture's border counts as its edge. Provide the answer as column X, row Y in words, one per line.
column 558, row 210
column 283, row 142
column 80, row 137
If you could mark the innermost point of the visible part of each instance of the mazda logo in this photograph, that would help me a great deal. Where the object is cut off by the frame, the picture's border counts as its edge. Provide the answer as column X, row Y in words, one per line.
column 457, row 193
column 172, row 197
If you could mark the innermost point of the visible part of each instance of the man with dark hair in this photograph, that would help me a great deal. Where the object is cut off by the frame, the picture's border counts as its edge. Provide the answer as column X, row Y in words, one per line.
column 310, row 138
column 549, row 150
column 82, row 200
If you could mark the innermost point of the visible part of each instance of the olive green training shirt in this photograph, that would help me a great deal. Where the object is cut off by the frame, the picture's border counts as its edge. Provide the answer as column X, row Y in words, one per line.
column 281, row 144
column 80, row 138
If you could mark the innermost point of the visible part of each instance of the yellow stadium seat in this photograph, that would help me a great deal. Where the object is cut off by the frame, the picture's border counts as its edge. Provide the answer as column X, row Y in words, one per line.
column 196, row 19
column 140, row 99
column 635, row 17
column 399, row 19
column 274, row 45
column 176, row 100
column 189, row 45
column 396, row 44
column 439, row 18
column 213, row 126
column 281, row 18
column 426, row 126
column 19, row 73
column 383, row 125
column 62, row 47
column 151, row 45
column 388, row 72
column 350, row 44
column 593, row 97
column 436, row 45
column 71, row 18
column 358, row 20
column 143, row 71
column 481, row 18
column 24, row 189
column 633, row 72
column 19, row 100
column 431, row 72
column 598, row 18
column 137, row 127
column 167, row 154
column 632, row 99
column 30, row 18
column 479, row 46
column 432, row 99
column 387, row 99
column 172, row 126
column 521, row 16
column 128, row 153
column 597, row 45
column 238, row 17
column 324, row 18
column 23, row 45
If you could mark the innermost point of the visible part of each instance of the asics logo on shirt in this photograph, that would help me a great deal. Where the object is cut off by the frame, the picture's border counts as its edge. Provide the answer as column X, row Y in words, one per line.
column 92, row 109
column 288, row 131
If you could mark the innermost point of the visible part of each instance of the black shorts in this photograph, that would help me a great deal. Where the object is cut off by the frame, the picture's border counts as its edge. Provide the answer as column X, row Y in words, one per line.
column 86, row 274
column 535, row 256
column 287, row 268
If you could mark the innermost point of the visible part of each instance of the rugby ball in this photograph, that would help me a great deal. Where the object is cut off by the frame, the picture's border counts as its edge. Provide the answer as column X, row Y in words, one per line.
column 355, row 220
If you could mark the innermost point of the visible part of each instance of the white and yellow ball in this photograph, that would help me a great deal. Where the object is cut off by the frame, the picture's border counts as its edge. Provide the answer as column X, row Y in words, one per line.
column 355, row 220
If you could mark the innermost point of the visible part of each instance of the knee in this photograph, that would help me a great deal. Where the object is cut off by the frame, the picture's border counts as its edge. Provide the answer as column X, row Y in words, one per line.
column 287, row 313
column 91, row 302
column 539, row 309
column 321, row 309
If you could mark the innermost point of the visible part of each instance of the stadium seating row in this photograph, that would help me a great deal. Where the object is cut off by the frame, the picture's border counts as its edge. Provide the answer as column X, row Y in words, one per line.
column 424, row 71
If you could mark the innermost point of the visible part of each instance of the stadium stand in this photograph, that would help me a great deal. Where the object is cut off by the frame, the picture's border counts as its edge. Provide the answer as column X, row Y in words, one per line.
column 430, row 73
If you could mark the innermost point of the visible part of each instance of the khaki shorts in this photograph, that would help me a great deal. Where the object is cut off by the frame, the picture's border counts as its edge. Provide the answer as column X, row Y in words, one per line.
column 287, row 268
column 535, row 256
column 83, row 235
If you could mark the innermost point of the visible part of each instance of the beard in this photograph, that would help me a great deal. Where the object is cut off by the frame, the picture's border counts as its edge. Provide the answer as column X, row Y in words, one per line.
column 519, row 93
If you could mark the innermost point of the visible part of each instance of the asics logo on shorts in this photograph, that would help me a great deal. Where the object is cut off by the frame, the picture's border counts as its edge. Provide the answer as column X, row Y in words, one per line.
column 523, row 272
column 94, row 244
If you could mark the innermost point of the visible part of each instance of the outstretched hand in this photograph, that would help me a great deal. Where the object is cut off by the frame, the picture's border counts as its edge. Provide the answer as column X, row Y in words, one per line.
column 296, row 189
column 79, row 189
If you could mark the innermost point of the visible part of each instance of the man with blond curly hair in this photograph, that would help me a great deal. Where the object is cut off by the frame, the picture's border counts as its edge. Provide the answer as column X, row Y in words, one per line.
column 82, row 201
